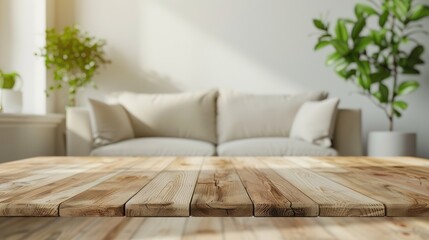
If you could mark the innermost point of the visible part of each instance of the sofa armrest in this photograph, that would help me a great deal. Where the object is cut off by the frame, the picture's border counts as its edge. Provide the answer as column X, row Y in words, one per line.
column 348, row 132
column 79, row 132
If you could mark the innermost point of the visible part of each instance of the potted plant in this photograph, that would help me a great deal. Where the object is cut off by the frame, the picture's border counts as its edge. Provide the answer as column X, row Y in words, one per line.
column 10, row 95
column 74, row 58
column 377, row 51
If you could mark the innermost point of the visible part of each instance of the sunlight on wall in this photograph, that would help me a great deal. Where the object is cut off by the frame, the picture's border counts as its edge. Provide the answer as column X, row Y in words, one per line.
column 197, row 60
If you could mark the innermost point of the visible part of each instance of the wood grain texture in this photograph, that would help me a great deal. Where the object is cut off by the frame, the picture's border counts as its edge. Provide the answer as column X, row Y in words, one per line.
column 209, row 228
column 219, row 191
column 289, row 186
column 402, row 195
column 169, row 193
column 271, row 194
column 45, row 201
column 109, row 197
column 228, row 228
column 333, row 199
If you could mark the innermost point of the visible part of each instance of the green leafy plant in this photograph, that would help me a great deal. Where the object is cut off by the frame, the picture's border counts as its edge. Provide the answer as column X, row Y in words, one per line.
column 375, row 48
column 74, row 58
column 8, row 80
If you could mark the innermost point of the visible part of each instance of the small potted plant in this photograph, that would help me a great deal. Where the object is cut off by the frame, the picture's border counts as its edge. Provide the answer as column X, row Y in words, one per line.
column 74, row 58
column 379, row 59
column 10, row 95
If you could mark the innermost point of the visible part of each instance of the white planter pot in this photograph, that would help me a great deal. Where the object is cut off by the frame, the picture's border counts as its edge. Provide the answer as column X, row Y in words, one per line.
column 11, row 100
column 391, row 144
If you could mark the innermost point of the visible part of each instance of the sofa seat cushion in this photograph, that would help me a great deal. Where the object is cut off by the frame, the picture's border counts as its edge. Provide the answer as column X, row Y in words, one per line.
column 272, row 147
column 157, row 147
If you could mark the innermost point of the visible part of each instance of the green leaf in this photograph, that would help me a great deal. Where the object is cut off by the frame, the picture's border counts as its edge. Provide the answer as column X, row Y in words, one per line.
column 364, row 81
column 333, row 58
column 341, row 65
column 383, row 18
column 325, row 37
column 410, row 71
column 351, row 73
column 400, row 105
column 379, row 36
column 397, row 113
column 358, row 27
column 321, row 45
column 419, row 12
column 384, row 93
column 341, row 47
column 8, row 80
column 377, row 95
column 364, row 67
column 341, row 30
column 342, row 74
column 362, row 9
column 401, row 8
column 417, row 51
column 407, row 87
column 319, row 24
column 379, row 76
column 362, row 44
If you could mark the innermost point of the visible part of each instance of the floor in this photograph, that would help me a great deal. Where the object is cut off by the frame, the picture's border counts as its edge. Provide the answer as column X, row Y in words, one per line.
column 213, row 228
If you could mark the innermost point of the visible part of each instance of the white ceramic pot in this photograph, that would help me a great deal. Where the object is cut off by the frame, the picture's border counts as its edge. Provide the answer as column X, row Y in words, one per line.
column 11, row 100
column 391, row 144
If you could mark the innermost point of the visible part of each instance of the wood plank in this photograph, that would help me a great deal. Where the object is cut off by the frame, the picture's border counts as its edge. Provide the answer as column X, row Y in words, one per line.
column 24, row 183
column 21, row 228
column 334, row 199
column 407, row 177
column 109, row 197
column 127, row 229
column 236, row 228
column 169, row 193
column 210, row 228
column 161, row 228
column 271, row 194
column 44, row 200
column 229, row 228
column 398, row 201
column 307, row 228
column 97, row 229
column 36, row 172
column 403, row 164
column 219, row 191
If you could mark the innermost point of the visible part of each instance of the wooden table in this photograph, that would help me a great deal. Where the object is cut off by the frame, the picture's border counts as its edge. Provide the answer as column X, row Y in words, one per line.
column 215, row 187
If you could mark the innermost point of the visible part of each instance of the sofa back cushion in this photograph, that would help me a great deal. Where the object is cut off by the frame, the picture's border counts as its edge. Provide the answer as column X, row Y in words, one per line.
column 315, row 122
column 181, row 115
column 243, row 116
column 110, row 123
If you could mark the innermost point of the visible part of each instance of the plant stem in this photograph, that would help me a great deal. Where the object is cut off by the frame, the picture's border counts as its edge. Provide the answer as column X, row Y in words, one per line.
column 1, row 100
column 72, row 99
column 395, row 78
column 395, row 83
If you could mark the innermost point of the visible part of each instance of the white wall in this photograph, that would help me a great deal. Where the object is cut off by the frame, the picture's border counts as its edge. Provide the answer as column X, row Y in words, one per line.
column 262, row 46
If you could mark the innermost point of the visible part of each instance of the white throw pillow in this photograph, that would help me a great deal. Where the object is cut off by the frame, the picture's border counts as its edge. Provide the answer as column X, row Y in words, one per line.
column 242, row 116
column 315, row 122
column 110, row 123
column 180, row 115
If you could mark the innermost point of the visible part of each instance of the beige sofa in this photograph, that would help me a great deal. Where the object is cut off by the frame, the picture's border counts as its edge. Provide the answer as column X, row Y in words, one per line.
column 213, row 124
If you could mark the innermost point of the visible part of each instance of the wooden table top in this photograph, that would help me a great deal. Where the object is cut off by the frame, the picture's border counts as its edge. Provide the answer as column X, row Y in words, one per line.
column 215, row 187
